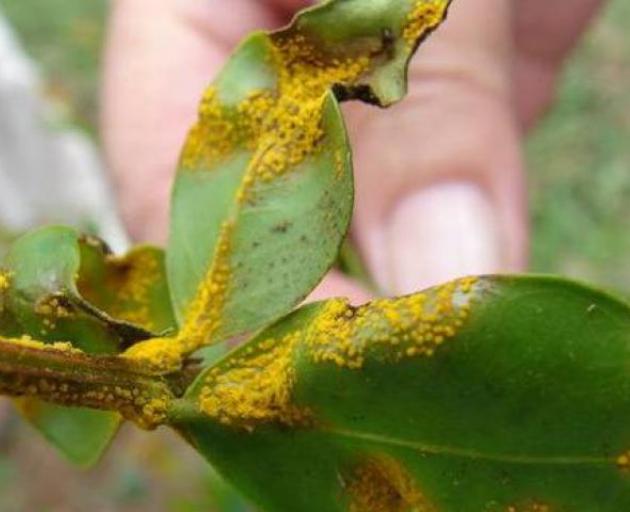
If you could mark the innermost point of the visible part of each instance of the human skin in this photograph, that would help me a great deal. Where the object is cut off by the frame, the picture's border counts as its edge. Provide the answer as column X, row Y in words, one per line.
column 442, row 198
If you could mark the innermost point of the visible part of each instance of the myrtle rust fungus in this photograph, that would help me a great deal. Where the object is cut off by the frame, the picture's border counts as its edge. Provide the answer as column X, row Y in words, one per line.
column 133, row 277
column 382, row 484
column 529, row 507
column 424, row 17
column 281, row 126
column 5, row 280
column 255, row 387
column 62, row 374
column 413, row 326
column 160, row 356
column 204, row 314
column 283, row 129
column 623, row 461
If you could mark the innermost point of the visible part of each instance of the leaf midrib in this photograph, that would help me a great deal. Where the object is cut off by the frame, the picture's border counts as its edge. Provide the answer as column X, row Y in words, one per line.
column 453, row 451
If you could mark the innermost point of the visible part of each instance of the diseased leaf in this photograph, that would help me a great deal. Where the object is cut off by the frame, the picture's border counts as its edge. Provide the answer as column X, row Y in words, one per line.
column 42, row 297
column 130, row 288
column 498, row 394
column 263, row 195
column 59, row 286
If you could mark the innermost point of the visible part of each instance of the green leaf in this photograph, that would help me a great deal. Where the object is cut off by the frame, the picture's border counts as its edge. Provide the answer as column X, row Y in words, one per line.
column 351, row 264
column 130, row 288
column 264, row 192
column 43, row 270
column 59, row 286
column 500, row 394
column 81, row 435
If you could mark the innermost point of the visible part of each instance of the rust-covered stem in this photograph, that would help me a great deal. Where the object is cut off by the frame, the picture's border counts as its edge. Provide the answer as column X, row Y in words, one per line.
column 68, row 377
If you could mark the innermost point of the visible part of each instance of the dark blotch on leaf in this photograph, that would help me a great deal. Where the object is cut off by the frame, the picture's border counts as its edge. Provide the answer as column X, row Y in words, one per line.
column 282, row 227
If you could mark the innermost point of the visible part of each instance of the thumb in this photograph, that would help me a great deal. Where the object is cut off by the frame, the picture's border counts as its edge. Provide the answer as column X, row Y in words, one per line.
column 439, row 178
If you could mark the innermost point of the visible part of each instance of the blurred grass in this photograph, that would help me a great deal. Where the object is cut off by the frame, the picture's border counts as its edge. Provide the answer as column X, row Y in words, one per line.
column 579, row 163
column 65, row 37
column 579, row 174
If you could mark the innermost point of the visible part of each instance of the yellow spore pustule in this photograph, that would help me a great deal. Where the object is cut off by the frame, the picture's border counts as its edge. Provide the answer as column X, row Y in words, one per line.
column 425, row 16
column 257, row 384
column 5, row 281
column 291, row 120
column 205, row 311
column 157, row 355
column 282, row 128
column 412, row 326
column 28, row 342
column 133, row 277
column 213, row 136
column 623, row 461
column 256, row 387
column 529, row 507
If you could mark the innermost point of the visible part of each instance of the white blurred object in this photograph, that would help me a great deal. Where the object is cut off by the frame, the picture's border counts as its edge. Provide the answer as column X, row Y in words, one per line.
column 47, row 174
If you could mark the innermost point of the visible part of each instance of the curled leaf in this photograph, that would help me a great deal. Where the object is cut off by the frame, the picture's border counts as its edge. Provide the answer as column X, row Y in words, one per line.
column 62, row 286
column 264, row 192
column 59, row 286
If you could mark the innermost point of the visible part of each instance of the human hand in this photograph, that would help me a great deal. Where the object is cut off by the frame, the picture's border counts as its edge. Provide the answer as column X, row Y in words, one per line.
column 440, row 190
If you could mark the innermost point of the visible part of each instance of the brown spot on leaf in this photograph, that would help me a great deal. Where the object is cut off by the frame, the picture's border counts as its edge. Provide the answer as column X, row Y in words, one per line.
column 282, row 227
column 623, row 461
column 382, row 484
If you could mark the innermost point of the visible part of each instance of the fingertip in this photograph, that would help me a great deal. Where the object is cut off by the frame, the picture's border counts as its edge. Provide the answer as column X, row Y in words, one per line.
column 442, row 232
column 335, row 284
column 446, row 196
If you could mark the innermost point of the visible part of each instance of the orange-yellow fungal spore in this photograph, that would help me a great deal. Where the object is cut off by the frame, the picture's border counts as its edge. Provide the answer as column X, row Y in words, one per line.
column 212, row 137
column 384, row 485
column 28, row 342
column 132, row 277
column 412, row 326
column 143, row 409
column 5, row 280
column 291, row 126
column 51, row 309
column 204, row 314
column 158, row 355
column 623, row 461
column 257, row 384
column 530, row 507
column 425, row 16
column 154, row 413
column 282, row 128
column 256, row 387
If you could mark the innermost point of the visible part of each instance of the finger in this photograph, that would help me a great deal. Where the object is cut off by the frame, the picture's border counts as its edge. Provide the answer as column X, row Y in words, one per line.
column 440, row 191
column 545, row 33
column 290, row 6
column 160, row 56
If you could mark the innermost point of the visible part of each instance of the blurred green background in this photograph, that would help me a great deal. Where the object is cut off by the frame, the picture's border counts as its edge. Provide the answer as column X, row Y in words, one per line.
column 579, row 175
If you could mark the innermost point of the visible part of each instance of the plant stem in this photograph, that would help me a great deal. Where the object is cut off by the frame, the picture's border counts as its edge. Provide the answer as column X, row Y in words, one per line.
column 73, row 378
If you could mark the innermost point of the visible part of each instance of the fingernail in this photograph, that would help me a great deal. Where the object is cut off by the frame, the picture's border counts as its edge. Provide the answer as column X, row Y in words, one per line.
column 439, row 233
